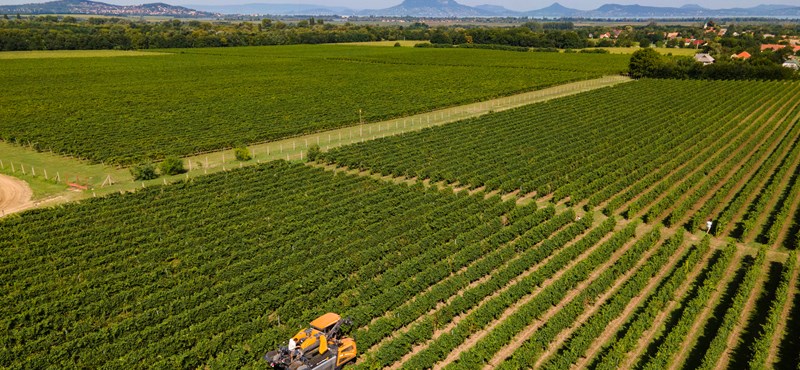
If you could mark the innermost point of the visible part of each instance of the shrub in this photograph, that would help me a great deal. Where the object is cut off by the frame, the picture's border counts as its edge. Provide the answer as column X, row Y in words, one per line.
column 595, row 51
column 172, row 166
column 242, row 154
column 144, row 171
column 313, row 152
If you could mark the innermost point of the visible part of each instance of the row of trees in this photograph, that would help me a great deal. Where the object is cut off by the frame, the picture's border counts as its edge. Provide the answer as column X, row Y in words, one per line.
column 52, row 33
column 530, row 35
column 763, row 66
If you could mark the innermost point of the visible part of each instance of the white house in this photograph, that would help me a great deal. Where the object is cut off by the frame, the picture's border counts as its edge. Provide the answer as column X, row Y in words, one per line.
column 793, row 64
column 704, row 58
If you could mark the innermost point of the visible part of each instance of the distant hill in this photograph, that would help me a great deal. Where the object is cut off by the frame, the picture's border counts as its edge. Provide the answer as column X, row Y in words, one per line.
column 451, row 8
column 555, row 11
column 282, row 9
column 431, row 8
column 498, row 10
column 411, row 8
column 98, row 8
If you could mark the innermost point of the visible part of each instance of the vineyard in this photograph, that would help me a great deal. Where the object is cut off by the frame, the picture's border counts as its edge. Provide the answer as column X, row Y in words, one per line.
column 206, row 272
column 569, row 233
column 649, row 149
column 124, row 109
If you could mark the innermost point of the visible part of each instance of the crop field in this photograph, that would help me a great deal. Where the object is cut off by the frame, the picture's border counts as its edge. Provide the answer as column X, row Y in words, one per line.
column 219, row 270
column 677, row 152
column 75, row 54
column 126, row 109
column 568, row 233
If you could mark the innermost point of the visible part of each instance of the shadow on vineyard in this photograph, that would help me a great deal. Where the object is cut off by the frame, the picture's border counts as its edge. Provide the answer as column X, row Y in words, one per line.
column 675, row 316
column 789, row 348
column 710, row 328
column 765, row 237
column 742, row 352
column 664, row 284
column 792, row 240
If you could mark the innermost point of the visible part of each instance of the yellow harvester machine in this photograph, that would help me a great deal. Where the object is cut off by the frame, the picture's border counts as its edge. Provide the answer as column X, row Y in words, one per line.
column 318, row 347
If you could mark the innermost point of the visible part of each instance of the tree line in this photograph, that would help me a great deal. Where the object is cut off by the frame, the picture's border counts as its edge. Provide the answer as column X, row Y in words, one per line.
column 68, row 33
column 650, row 63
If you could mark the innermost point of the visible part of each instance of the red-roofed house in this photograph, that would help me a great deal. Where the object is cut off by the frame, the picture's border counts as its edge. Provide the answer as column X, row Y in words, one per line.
column 742, row 55
column 776, row 47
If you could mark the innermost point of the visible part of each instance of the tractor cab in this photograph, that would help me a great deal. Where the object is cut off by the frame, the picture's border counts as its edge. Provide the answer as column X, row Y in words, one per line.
column 317, row 347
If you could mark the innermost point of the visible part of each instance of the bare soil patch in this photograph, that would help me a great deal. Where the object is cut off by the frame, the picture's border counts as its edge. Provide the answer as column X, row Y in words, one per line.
column 15, row 195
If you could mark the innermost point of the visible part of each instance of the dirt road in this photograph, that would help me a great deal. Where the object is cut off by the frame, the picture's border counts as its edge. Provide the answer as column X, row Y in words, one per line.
column 15, row 195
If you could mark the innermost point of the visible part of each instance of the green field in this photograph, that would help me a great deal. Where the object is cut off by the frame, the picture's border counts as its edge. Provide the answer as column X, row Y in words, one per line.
column 75, row 54
column 219, row 270
column 557, row 229
column 153, row 265
column 625, row 149
column 123, row 109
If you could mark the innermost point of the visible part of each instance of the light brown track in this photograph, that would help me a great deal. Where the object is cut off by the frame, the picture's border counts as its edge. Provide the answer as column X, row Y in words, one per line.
column 762, row 218
column 746, row 178
column 430, row 312
column 780, row 330
column 419, row 347
column 562, row 337
column 787, row 225
column 649, row 334
column 703, row 153
column 473, row 339
column 733, row 338
column 714, row 189
column 717, row 169
column 15, row 195
column 677, row 183
column 460, row 292
column 741, row 212
column 614, row 326
column 693, row 334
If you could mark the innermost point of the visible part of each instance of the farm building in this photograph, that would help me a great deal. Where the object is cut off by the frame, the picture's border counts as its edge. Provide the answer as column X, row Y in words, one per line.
column 743, row 55
column 704, row 58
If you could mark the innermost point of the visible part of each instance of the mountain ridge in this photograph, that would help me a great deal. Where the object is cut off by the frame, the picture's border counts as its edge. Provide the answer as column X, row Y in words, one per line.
column 411, row 8
column 88, row 7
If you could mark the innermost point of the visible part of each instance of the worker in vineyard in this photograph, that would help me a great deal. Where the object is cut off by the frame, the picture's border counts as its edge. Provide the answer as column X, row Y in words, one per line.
column 709, row 223
column 294, row 350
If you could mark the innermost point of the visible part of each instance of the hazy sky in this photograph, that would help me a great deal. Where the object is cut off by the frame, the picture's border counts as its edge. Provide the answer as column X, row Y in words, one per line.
column 511, row 4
